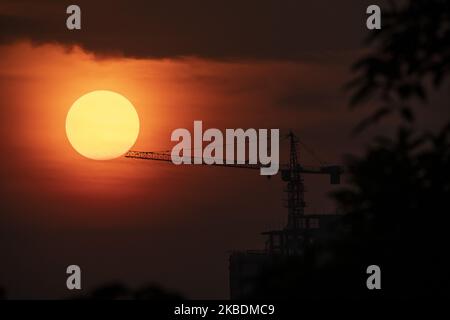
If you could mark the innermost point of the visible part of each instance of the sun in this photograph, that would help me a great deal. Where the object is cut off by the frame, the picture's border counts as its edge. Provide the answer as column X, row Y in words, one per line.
column 102, row 125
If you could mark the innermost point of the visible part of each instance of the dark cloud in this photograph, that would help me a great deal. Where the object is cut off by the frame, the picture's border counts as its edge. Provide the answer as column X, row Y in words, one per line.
column 317, row 101
column 291, row 29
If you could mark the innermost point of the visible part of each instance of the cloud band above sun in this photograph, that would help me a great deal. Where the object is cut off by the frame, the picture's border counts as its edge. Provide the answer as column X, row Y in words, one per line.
column 263, row 30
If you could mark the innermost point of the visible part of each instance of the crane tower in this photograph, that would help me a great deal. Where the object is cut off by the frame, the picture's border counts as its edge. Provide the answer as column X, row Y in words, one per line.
column 290, row 240
column 246, row 266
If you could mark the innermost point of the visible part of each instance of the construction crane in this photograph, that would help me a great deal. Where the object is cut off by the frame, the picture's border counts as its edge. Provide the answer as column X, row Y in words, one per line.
column 290, row 240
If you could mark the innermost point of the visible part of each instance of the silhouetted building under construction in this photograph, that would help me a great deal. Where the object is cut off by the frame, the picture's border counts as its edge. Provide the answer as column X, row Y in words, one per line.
column 301, row 229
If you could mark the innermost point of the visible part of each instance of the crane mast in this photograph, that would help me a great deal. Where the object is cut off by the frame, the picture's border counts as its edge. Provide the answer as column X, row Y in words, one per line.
column 295, row 188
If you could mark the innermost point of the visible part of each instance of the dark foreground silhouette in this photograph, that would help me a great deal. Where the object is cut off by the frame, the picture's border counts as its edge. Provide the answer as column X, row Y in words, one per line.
column 118, row 291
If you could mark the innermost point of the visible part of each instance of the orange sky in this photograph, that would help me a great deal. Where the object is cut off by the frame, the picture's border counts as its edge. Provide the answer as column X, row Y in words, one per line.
column 43, row 82
column 121, row 218
column 231, row 64
column 40, row 83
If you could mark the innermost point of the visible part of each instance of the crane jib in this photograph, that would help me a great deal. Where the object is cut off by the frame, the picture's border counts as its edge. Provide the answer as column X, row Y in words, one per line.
column 333, row 171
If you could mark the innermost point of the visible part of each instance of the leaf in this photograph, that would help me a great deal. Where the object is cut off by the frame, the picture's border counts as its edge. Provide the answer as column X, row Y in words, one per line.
column 374, row 118
column 407, row 114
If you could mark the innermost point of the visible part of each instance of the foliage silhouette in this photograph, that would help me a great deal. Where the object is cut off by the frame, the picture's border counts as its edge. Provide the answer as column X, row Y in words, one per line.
column 399, row 190
column 118, row 291
column 411, row 55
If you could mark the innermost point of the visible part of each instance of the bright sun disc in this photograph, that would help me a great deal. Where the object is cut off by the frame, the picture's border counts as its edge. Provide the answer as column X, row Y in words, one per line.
column 102, row 125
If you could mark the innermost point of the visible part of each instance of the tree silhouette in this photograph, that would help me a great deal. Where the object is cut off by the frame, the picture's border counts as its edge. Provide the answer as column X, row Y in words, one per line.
column 399, row 190
column 410, row 56
column 118, row 291
column 398, row 197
